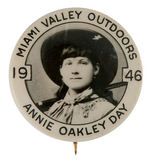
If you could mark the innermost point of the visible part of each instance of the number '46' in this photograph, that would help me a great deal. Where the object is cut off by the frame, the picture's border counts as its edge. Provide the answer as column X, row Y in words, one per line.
column 134, row 75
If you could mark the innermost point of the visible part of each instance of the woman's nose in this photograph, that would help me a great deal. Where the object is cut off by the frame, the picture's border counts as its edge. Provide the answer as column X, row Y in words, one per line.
column 75, row 69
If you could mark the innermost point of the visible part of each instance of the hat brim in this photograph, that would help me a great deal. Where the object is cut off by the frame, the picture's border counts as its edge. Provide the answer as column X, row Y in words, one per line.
column 52, row 47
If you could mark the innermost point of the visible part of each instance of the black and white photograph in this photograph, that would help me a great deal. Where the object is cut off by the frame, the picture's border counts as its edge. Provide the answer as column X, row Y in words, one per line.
column 84, row 77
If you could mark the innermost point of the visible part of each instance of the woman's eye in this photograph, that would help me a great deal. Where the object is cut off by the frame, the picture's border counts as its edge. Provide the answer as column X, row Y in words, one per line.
column 84, row 62
column 68, row 63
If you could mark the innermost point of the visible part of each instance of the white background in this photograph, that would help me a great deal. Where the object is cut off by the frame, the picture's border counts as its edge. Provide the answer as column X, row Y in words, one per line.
column 19, row 140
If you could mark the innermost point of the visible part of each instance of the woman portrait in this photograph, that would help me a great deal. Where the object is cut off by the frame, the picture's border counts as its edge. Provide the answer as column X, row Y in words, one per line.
column 83, row 64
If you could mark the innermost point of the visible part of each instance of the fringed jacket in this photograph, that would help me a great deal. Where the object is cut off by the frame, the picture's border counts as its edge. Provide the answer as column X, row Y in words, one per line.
column 86, row 107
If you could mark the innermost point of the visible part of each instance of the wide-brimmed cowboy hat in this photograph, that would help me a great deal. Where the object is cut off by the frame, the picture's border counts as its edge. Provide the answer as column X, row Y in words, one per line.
column 52, row 48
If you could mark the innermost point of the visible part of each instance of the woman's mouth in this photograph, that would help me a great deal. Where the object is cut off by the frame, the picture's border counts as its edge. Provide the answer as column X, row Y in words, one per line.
column 75, row 78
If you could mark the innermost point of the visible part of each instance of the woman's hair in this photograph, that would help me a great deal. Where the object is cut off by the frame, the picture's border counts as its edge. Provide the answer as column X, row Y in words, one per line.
column 71, row 51
column 74, row 51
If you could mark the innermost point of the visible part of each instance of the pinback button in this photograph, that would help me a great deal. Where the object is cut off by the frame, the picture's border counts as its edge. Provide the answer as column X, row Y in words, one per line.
column 73, row 74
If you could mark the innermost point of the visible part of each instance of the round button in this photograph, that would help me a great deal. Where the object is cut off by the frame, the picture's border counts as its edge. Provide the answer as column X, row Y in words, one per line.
column 75, row 74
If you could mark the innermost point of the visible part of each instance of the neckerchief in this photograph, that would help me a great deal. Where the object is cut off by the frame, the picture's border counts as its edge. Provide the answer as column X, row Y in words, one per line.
column 67, row 104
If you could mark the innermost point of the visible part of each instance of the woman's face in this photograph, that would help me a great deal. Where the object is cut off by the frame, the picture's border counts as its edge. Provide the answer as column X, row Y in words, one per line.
column 77, row 73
